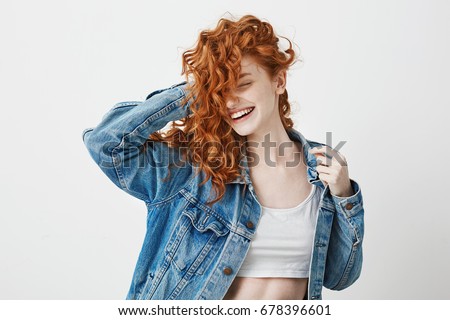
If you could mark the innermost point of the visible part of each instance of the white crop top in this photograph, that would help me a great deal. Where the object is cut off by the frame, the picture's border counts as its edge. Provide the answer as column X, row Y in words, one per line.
column 283, row 241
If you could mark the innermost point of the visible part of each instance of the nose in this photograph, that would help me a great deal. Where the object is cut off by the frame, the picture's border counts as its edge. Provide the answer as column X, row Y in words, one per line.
column 231, row 101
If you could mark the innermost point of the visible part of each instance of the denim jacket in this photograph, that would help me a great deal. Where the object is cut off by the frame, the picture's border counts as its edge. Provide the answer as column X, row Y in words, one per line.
column 193, row 251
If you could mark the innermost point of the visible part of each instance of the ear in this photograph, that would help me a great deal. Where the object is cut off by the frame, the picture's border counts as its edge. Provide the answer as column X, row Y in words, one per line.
column 280, row 80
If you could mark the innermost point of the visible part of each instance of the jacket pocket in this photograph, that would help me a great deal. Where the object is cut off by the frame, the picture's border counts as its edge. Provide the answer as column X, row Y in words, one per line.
column 197, row 237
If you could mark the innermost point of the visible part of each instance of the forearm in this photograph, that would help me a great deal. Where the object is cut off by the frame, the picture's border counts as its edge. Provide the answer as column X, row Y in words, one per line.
column 129, row 124
column 116, row 142
column 344, row 258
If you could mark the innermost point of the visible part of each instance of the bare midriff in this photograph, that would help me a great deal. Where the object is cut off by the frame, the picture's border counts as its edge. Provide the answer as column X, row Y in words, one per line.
column 247, row 288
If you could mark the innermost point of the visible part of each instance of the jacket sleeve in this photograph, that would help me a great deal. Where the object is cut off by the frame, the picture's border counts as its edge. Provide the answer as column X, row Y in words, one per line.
column 116, row 143
column 345, row 253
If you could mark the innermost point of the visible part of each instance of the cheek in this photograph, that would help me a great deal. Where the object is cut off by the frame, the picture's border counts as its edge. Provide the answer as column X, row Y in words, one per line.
column 259, row 97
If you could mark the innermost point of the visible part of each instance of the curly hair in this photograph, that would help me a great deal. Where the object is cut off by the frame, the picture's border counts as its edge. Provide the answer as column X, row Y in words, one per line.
column 212, row 69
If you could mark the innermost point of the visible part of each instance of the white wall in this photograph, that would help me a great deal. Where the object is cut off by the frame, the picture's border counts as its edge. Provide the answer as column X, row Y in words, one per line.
column 375, row 74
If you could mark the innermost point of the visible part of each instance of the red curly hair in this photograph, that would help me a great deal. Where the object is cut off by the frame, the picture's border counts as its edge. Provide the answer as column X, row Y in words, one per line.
column 212, row 71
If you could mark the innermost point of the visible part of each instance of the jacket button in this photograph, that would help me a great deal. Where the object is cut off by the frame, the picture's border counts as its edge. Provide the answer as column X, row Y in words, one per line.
column 227, row 271
column 249, row 224
column 349, row 206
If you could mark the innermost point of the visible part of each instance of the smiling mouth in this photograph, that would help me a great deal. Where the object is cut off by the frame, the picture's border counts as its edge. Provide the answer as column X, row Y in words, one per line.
column 244, row 115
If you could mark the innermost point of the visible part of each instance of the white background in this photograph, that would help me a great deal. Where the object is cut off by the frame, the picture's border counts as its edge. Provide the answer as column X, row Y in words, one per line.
column 374, row 73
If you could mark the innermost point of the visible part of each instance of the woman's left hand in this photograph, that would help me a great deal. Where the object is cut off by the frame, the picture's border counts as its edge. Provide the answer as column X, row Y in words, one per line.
column 334, row 171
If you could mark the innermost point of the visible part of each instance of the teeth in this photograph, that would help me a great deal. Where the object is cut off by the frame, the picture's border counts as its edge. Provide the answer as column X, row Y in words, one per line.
column 241, row 113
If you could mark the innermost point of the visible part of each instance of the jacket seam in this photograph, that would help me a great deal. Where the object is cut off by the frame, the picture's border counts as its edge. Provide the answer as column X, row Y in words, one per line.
column 155, row 204
column 114, row 156
column 125, row 104
column 191, row 199
column 348, row 267
column 164, row 200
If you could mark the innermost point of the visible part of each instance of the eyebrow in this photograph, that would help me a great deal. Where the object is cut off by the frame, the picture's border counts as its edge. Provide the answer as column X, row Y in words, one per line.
column 244, row 74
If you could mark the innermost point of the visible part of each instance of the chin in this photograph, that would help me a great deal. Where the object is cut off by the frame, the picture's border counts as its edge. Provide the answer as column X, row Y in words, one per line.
column 243, row 132
column 248, row 127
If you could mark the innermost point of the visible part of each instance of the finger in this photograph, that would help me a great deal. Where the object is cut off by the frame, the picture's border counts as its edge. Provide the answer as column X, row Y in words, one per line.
column 339, row 160
column 323, row 177
column 324, row 161
column 329, row 153
column 327, row 175
column 324, row 169
column 321, row 160
column 325, row 150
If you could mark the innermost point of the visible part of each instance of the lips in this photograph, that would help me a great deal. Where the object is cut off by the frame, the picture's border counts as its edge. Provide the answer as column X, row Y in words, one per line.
column 241, row 109
column 242, row 116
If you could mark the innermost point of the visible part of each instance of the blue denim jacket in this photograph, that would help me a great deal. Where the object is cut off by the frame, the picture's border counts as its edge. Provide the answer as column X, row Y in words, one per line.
column 194, row 251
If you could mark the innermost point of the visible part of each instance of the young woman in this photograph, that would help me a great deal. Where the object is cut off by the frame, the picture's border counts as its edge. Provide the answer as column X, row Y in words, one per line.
column 240, row 204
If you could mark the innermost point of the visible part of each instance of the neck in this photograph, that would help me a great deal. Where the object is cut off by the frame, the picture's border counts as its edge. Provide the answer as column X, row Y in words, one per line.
column 272, row 149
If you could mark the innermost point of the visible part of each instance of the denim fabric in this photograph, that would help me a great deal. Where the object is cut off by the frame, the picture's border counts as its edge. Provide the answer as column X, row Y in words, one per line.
column 194, row 251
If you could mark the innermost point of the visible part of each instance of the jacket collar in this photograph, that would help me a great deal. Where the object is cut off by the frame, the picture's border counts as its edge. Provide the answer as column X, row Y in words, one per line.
column 309, row 158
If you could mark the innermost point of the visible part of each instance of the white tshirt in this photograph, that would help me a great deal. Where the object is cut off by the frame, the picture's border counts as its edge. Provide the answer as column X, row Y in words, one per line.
column 283, row 241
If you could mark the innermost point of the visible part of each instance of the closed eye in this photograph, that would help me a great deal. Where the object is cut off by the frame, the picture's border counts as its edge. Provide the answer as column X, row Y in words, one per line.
column 244, row 84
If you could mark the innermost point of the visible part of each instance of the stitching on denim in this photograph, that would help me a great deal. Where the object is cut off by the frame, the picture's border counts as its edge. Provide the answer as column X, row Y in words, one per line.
column 176, row 236
column 125, row 104
column 350, row 262
column 193, row 200
column 354, row 226
column 163, row 201
column 114, row 153
column 156, row 280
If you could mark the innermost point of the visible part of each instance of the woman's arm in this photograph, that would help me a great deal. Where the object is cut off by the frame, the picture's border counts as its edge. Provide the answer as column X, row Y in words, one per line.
column 345, row 255
column 116, row 142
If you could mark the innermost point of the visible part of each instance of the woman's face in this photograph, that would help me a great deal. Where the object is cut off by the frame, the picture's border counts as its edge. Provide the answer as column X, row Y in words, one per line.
column 258, row 93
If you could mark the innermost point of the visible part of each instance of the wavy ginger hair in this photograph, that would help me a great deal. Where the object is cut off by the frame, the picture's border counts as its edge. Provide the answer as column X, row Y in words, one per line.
column 212, row 69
